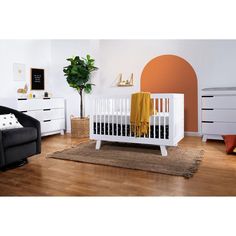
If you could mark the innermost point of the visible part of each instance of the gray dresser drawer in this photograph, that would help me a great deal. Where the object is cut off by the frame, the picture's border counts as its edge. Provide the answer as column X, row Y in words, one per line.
column 219, row 128
column 219, row 115
column 219, row 102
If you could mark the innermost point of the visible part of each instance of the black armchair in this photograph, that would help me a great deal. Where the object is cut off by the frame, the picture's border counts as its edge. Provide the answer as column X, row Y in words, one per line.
column 16, row 145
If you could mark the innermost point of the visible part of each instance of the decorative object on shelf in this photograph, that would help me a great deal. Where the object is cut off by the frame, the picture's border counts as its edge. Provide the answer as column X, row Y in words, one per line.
column 22, row 91
column 18, row 72
column 30, row 96
column 126, row 83
column 78, row 74
column 46, row 94
column 120, row 81
column 37, row 79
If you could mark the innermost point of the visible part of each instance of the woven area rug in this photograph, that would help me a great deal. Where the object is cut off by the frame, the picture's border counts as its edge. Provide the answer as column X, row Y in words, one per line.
column 180, row 161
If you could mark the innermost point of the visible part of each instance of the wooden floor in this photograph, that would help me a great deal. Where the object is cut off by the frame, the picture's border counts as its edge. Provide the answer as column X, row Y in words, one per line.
column 50, row 177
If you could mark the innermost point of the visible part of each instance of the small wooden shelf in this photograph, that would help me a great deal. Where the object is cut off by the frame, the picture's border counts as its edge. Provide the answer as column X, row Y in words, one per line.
column 125, row 85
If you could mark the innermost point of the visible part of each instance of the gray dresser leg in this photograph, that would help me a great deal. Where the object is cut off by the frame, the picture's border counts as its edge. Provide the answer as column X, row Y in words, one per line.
column 204, row 138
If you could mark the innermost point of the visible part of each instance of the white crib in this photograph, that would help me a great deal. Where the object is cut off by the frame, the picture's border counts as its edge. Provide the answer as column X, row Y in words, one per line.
column 110, row 121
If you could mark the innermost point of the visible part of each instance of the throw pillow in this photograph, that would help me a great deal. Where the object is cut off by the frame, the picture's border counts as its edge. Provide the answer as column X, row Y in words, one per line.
column 230, row 143
column 9, row 121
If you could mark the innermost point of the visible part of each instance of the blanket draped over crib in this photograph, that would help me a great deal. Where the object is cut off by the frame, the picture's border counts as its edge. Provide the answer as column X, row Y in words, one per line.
column 141, row 110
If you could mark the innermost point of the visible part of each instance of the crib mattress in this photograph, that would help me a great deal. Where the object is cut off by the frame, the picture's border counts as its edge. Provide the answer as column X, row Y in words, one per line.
column 124, row 130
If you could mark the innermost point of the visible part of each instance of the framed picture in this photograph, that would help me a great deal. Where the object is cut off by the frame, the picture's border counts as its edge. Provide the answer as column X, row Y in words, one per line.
column 18, row 72
column 37, row 79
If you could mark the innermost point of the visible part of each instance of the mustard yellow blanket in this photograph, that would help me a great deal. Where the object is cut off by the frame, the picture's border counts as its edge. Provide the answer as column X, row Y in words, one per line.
column 141, row 109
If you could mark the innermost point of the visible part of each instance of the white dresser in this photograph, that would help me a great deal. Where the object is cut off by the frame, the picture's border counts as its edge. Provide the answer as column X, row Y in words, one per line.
column 218, row 112
column 49, row 111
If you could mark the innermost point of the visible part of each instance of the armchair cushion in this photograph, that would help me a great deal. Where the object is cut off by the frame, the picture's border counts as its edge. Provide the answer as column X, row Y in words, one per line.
column 18, row 136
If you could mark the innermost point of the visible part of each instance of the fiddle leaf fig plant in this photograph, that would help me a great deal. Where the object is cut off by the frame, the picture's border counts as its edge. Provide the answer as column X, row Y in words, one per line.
column 78, row 76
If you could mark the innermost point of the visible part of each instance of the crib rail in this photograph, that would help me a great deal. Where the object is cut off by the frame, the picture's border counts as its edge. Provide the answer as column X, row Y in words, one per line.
column 110, row 119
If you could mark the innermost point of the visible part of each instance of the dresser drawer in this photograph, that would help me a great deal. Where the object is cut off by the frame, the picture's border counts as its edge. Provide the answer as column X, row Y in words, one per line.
column 39, row 104
column 47, row 114
column 219, row 115
column 48, row 126
column 219, row 102
column 219, row 128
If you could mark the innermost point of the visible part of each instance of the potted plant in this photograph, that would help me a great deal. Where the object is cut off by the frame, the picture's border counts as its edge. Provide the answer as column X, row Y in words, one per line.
column 78, row 76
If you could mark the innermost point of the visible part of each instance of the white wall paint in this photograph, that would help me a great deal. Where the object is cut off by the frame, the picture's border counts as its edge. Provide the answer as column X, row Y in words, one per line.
column 213, row 61
column 61, row 50
column 32, row 53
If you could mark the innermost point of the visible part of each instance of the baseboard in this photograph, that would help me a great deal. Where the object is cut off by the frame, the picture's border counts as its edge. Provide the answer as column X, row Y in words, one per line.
column 194, row 134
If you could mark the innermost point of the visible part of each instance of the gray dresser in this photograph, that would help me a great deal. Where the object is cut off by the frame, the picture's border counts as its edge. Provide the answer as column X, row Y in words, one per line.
column 218, row 112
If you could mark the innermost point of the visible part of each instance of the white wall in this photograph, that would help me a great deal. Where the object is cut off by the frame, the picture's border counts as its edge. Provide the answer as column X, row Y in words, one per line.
column 60, row 51
column 213, row 61
column 32, row 53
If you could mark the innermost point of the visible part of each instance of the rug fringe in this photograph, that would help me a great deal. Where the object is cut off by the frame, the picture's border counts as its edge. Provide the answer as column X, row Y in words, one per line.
column 65, row 149
column 189, row 173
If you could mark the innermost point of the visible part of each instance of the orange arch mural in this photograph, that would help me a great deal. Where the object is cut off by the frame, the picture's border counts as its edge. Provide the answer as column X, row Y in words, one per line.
column 173, row 74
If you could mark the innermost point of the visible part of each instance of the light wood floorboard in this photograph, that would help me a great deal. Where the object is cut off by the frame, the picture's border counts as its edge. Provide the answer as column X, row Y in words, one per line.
column 50, row 177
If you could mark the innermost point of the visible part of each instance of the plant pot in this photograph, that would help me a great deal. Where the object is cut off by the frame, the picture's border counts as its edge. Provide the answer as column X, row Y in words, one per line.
column 79, row 127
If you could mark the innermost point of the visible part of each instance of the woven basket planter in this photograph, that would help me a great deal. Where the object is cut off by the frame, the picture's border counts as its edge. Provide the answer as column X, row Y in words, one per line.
column 79, row 127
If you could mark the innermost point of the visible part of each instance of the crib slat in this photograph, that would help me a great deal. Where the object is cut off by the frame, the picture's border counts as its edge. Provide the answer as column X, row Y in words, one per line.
column 108, row 116
column 101, row 113
column 164, row 118
column 154, row 118
column 168, row 117
column 95, row 110
column 159, row 119
column 116, row 107
column 129, row 105
column 112, row 108
column 105, row 111
column 120, row 106
column 102, row 105
column 126, row 116
column 91, row 117
column 149, row 126
column 105, row 116
column 100, row 116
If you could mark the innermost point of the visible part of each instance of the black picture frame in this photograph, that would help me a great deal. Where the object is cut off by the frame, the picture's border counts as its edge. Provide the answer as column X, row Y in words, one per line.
column 37, row 79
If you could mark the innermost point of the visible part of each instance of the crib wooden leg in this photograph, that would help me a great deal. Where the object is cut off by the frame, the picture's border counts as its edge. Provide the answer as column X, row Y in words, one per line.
column 98, row 144
column 163, row 151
